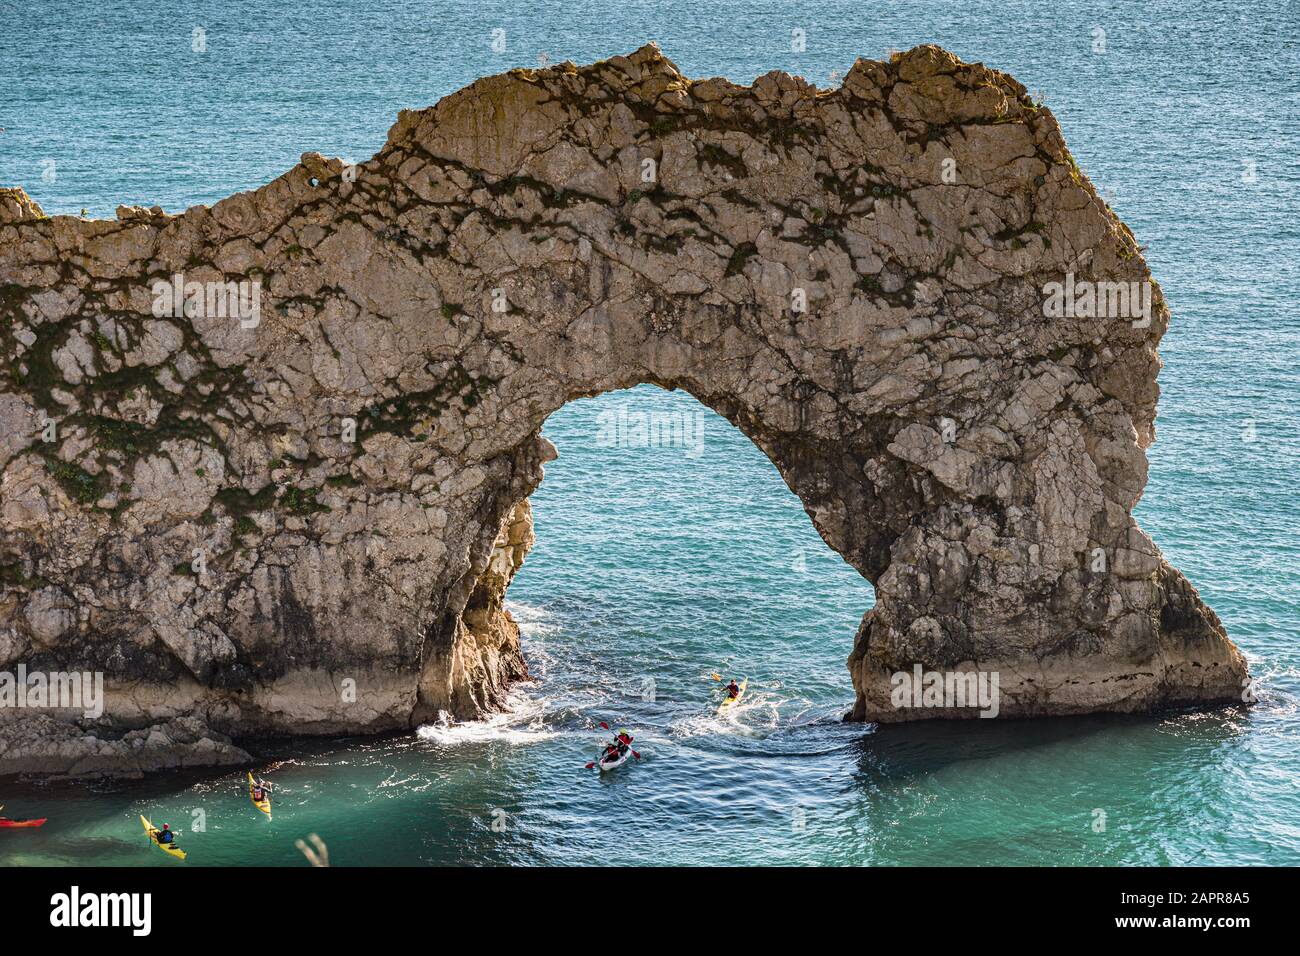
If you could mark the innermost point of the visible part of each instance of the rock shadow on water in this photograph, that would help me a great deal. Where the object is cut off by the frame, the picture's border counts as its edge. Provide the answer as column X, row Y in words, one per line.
column 901, row 753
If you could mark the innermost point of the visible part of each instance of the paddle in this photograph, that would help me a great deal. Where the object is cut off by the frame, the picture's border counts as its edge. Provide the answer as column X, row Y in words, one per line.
column 592, row 765
column 714, row 676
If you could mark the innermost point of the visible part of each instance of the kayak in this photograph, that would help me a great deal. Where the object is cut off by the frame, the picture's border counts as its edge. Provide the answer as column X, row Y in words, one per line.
column 13, row 824
column 265, row 803
column 617, row 759
column 722, row 708
column 171, row 849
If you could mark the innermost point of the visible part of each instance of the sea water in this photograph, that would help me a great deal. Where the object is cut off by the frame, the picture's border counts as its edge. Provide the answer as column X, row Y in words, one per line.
column 658, row 564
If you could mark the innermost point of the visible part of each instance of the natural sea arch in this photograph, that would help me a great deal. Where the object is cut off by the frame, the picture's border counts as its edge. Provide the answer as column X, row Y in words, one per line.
column 303, row 517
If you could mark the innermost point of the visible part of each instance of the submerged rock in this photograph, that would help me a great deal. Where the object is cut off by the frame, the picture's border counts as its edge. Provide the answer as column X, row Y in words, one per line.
column 268, row 461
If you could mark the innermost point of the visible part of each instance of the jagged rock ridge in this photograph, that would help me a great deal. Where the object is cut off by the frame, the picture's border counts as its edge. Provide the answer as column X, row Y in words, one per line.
column 854, row 277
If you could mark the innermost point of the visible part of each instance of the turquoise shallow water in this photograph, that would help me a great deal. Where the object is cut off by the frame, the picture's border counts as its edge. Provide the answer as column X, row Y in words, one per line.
column 665, row 563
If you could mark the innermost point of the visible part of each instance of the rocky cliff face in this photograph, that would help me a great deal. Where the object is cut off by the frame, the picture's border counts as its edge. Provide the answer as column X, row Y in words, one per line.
column 265, row 464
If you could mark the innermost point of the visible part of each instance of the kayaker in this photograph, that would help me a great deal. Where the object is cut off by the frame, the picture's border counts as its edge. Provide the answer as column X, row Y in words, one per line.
column 733, row 689
column 165, row 835
column 620, row 744
column 260, row 789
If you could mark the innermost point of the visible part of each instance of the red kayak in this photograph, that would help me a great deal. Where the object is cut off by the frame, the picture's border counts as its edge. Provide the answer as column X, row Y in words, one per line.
column 21, row 823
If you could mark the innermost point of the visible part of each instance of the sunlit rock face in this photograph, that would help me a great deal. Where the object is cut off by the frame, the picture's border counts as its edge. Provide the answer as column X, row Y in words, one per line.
column 267, row 463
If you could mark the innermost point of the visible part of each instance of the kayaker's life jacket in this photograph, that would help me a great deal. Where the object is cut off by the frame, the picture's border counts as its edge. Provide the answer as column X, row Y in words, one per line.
column 165, row 836
column 732, row 690
column 258, row 793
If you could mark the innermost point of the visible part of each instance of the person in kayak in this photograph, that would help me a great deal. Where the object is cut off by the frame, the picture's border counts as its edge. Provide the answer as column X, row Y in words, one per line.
column 733, row 689
column 619, row 746
column 260, row 790
column 165, row 835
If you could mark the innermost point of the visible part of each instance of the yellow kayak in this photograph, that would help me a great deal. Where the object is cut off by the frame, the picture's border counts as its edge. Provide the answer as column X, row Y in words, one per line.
column 171, row 849
column 727, row 702
column 265, row 803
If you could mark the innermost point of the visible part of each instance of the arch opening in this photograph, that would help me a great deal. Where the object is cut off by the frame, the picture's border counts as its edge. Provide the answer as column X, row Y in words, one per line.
column 668, row 546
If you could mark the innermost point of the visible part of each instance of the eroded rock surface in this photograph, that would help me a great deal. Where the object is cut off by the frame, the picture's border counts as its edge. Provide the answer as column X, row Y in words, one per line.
column 45, row 746
column 854, row 277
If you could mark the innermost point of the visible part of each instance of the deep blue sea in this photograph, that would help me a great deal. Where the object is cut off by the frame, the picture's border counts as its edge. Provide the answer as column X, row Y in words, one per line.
column 657, row 566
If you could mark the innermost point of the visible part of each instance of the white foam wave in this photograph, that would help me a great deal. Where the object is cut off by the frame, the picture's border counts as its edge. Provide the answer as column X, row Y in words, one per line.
column 532, row 621
column 756, row 716
column 522, row 723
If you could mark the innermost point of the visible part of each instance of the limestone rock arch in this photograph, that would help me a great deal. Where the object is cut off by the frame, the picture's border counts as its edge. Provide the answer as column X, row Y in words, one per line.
column 854, row 277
